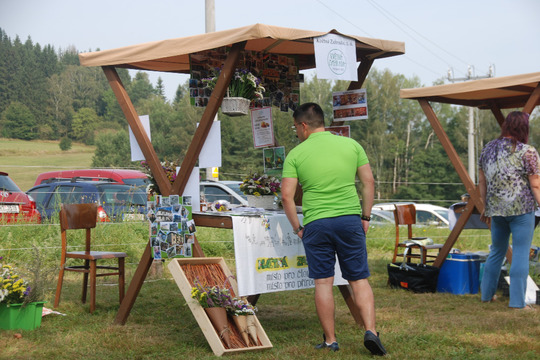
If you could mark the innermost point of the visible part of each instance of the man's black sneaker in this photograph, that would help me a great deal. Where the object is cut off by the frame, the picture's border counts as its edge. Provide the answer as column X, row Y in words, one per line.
column 333, row 346
column 373, row 344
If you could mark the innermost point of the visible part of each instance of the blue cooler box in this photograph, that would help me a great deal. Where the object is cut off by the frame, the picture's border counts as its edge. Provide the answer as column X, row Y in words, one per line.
column 460, row 274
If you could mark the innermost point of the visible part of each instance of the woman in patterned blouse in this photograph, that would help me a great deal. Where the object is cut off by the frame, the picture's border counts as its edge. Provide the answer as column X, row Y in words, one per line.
column 509, row 183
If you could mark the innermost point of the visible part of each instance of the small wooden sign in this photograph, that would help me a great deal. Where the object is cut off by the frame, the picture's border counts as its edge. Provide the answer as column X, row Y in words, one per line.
column 185, row 285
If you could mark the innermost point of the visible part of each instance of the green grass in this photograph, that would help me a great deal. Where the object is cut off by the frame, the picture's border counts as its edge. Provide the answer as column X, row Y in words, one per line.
column 25, row 160
column 412, row 326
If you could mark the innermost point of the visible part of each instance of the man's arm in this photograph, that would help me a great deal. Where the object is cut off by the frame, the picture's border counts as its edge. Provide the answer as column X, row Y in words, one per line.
column 288, row 189
column 368, row 192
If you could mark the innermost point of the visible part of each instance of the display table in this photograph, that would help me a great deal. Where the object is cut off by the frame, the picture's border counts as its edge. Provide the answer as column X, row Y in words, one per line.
column 261, row 243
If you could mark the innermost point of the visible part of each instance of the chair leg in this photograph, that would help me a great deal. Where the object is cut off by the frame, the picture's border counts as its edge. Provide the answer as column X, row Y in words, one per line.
column 59, row 285
column 92, row 286
column 85, row 281
column 121, row 278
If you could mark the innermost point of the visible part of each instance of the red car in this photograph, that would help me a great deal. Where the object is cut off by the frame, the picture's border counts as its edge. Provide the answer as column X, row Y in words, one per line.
column 15, row 205
column 121, row 176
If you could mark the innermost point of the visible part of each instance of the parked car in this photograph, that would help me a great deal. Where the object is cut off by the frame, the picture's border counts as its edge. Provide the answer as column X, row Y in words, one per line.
column 223, row 190
column 381, row 217
column 117, row 201
column 15, row 205
column 121, row 176
column 426, row 214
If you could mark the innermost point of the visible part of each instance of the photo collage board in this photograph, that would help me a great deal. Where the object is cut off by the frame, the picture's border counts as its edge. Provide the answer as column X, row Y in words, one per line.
column 278, row 73
column 172, row 228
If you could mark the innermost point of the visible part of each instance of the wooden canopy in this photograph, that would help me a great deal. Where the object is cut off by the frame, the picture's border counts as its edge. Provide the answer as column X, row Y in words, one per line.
column 503, row 92
column 519, row 91
column 173, row 55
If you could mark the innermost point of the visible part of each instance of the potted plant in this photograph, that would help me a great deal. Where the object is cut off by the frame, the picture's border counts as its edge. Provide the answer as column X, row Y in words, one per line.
column 18, row 310
column 215, row 301
column 261, row 190
column 243, row 89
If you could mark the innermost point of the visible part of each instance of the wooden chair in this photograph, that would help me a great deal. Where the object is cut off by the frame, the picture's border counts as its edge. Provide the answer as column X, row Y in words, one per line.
column 406, row 215
column 83, row 216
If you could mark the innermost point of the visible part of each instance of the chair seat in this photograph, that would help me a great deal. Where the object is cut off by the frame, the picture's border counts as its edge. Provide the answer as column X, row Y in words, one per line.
column 432, row 246
column 94, row 255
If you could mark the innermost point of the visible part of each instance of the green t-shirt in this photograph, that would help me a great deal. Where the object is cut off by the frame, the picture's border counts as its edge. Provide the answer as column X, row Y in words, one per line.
column 326, row 166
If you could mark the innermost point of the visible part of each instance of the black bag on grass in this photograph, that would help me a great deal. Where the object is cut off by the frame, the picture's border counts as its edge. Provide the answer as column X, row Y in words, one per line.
column 415, row 277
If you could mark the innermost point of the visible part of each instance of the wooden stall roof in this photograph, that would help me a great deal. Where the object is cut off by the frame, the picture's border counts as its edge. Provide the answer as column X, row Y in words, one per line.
column 502, row 92
column 173, row 55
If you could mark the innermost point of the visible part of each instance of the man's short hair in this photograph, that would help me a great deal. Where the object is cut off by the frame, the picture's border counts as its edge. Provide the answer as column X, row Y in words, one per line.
column 311, row 114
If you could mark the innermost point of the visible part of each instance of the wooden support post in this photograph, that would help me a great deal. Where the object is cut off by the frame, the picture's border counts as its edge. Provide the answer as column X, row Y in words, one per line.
column 134, row 286
column 207, row 119
column 454, row 234
column 497, row 113
column 533, row 100
column 475, row 199
column 138, row 131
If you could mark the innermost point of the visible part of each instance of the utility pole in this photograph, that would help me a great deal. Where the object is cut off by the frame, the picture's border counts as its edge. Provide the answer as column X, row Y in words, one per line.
column 471, row 133
column 210, row 26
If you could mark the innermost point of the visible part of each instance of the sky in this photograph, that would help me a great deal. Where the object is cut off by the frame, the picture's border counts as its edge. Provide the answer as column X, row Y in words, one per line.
column 438, row 35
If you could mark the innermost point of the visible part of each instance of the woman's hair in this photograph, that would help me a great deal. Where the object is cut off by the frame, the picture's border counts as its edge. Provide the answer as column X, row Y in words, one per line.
column 516, row 126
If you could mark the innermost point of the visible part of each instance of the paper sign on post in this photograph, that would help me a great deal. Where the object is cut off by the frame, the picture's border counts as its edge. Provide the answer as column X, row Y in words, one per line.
column 262, row 126
column 210, row 155
column 136, row 152
column 335, row 57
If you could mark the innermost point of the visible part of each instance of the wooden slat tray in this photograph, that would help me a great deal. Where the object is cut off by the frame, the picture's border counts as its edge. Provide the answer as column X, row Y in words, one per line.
column 185, row 285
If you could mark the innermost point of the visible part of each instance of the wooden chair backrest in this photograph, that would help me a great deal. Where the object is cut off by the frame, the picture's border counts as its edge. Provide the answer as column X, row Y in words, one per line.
column 404, row 215
column 78, row 216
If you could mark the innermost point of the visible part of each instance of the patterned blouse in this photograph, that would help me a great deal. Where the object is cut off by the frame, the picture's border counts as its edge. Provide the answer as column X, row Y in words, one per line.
column 508, row 190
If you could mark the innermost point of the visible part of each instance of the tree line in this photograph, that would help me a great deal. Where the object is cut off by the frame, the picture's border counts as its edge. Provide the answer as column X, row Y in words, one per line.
column 46, row 94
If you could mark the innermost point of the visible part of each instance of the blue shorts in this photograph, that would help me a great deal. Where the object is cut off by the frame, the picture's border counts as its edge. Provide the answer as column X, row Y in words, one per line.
column 342, row 235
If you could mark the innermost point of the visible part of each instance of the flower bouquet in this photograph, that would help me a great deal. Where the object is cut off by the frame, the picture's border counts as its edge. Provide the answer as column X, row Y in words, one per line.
column 244, row 320
column 215, row 300
column 170, row 169
column 13, row 289
column 258, row 185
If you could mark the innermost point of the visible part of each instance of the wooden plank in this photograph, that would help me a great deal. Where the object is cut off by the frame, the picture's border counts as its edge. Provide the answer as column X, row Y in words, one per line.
column 207, row 119
column 175, row 267
column 134, row 286
column 214, row 221
column 138, row 130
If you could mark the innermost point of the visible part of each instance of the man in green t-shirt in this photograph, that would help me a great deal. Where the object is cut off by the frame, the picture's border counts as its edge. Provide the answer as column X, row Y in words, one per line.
column 325, row 166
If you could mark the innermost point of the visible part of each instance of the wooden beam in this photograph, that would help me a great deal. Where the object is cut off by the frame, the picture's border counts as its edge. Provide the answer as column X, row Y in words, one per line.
column 452, row 154
column 362, row 71
column 207, row 119
column 454, row 234
column 138, row 130
column 533, row 101
column 498, row 113
column 134, row 286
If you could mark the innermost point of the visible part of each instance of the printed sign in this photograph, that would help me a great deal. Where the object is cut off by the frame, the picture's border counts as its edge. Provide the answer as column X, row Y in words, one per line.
column 350, row 105
column 335, row 57
column 262, row 127
column 270, row 257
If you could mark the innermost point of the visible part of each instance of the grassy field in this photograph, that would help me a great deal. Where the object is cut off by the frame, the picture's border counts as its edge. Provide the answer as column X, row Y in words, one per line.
column 24, row 160
column 412, row 326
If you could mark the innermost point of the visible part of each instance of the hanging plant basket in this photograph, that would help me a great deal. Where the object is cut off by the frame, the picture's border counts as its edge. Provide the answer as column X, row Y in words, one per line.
column 235, row 106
